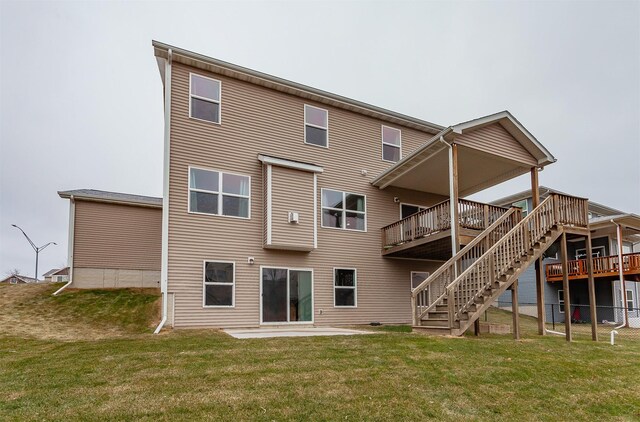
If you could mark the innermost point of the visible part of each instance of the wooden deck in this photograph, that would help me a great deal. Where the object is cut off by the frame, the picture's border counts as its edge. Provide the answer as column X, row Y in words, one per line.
column 427, row 234
column 605, row 266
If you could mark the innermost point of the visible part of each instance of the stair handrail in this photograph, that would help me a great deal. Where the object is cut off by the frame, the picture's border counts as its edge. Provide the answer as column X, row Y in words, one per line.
column 548, row 213
column 454, row 260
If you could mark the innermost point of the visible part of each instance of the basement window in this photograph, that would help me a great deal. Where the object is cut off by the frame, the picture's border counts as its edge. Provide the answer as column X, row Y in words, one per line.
column 219, row 284
column 204, row 102
column 391, row 144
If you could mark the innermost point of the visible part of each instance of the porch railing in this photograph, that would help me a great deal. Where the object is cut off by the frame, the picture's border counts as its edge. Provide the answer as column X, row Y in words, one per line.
column 602, row 265
column 471, row 215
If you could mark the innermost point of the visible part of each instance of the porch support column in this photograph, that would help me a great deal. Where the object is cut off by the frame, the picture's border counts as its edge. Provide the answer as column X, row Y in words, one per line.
column 535, row 199
column 565, row 286
column 592, row 291
column 623, row 284
column 453, row 198
column 515, row 310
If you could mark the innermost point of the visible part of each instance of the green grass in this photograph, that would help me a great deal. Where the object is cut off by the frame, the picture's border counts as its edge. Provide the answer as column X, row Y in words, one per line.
column 390, row 375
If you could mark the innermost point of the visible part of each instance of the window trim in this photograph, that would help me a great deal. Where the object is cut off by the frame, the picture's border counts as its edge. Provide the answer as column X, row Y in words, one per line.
column 344, row 193
column 305, row 124
column 205, row 284
column 632, row 300
column 561, row 302
column 355, row 288
column 313, row 296
column 524, row 209
column 387, row 143
column 219, row 102
column 428, row 273
column 220, row 193
column 593, row 251
column 420, row 208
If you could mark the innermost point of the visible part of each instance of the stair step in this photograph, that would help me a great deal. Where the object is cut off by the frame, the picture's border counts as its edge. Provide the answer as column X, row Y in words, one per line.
column 436, row 322
column 438, row 315
column 440, row 331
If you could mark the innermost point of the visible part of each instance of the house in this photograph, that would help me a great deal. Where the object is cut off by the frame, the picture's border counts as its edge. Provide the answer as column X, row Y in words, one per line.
column 284, row 204
column 18, row 279
column 114, row 239
column 57, row 275
column 610, row 229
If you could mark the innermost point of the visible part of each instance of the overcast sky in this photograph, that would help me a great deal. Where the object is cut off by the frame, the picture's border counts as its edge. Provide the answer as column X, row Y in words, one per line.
column 81, row 96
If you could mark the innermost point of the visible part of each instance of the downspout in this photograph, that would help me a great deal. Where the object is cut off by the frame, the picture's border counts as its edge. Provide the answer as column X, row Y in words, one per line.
column 452, row 204
column 72, row 228
column 165, row 193
column 623, row 286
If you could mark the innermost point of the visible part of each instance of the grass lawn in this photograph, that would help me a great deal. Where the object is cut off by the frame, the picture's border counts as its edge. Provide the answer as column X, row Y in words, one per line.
column 108, row 366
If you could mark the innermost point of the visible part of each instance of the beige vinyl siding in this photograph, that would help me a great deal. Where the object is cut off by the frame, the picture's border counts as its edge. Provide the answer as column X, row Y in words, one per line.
column 116, row 236
column 291, row 190
column 495, row 139
column 258, row 120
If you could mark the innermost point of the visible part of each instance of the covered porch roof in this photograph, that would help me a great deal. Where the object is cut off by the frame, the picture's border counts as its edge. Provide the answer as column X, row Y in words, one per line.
column 490, row 150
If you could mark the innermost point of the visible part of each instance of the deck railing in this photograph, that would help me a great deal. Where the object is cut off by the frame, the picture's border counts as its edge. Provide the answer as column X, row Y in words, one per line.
column 471, row 215
column 428, row 293
column 602, row 265
column 498, row 259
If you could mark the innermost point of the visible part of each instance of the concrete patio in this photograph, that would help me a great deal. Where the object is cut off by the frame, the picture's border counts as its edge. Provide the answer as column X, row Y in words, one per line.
column 292, row 332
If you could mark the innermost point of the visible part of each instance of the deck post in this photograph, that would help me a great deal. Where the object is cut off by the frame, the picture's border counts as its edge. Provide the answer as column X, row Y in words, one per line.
column 623, row 284
column 535, row 199
column 565, row 286
column 592, row 291
column 515, row 310
column 453, row 193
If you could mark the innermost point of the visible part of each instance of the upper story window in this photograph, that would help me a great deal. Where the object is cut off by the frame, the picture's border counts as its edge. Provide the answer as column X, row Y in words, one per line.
column 391, row 144
column 218, row 193
column 523, row 205
column 343, row 210
column 316, row 126
column 204, row 98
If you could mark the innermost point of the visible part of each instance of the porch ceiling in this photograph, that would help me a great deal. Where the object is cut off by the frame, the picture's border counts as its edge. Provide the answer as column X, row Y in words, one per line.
column 501, row 150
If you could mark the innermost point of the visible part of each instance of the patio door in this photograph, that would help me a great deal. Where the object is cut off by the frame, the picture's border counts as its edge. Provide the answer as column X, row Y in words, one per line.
column 287, row 295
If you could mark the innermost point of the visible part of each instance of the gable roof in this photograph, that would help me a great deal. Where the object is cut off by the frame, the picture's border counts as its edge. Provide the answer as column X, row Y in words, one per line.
column 51, row 272
column 161, row 51
column 112, row 197
column 23, row 278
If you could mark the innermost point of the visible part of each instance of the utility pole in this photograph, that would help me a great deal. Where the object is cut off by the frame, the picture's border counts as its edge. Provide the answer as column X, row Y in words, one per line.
column 35, row 248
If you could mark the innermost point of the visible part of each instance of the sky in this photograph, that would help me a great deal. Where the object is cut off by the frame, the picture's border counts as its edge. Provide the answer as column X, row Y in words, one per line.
column 81, row 95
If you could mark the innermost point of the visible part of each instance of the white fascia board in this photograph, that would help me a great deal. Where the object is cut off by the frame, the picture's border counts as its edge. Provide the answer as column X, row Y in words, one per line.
column 281, row 162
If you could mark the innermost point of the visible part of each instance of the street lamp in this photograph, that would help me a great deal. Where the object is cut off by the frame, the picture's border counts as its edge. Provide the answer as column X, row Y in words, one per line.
column 35, row 248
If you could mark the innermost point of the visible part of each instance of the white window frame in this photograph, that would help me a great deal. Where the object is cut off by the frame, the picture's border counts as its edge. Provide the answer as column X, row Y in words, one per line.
column 355, row 287
column 344, row 210
column 595, row 252
column 219, row 193
column 219, row 102
column 13, row 280
column 420, row 208
column 205, row 284
column 305, row 124
column 630, row 293
column 419, row 272
column 561, row 302
column 390, row 144
column 525, row 208
column 313, row 296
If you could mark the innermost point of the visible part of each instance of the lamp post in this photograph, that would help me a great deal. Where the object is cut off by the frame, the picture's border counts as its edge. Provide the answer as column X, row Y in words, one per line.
column 35, row 248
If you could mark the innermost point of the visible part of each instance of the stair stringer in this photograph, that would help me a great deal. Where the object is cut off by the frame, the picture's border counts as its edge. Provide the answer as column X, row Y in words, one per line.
column 504, row 285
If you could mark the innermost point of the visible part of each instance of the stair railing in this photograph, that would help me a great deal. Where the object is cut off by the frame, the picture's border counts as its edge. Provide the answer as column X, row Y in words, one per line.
column 498, row 259
column 427, row 294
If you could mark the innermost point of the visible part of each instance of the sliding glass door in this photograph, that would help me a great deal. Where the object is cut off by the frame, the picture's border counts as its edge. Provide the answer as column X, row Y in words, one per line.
column 287, row 295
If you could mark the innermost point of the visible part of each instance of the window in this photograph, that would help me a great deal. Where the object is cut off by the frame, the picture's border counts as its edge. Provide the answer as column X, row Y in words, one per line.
column 391, row 144
column 523, row 205
column 344, row 288
column 561, row 300
column 316, row 127
column 214, row 192
column 596, row 252
column 630, row 300
column 407, row 210
column 343, row 210
column 59, row 277
column 219, row 283
column 204, row 98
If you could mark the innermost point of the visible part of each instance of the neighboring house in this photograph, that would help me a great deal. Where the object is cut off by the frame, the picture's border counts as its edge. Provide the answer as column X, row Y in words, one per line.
column 18, row 279
column 610, row 298
column 57, row 275
column 284, row 204
column 114, row 239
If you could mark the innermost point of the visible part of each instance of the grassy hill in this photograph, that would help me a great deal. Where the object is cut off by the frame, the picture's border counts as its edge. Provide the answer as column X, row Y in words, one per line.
column 90, row 355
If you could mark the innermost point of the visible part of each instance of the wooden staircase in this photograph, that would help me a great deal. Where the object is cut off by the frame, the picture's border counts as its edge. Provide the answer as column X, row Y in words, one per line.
column 459, row 292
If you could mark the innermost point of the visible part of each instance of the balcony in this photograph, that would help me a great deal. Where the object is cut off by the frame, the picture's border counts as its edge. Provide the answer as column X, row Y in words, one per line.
column 605, row 266
column 427, row 234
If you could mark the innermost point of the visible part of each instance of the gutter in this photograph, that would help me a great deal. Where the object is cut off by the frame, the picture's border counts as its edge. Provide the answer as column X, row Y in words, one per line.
column 72, row 228
column 165, row 192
